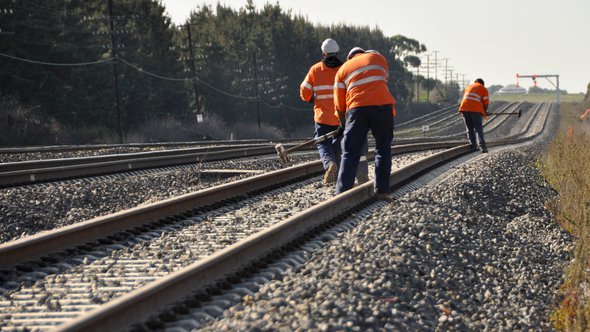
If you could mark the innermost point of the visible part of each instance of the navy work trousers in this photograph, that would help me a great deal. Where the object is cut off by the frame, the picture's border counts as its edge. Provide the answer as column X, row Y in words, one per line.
column 329, row 149
column 378, row 119
column 474, row 125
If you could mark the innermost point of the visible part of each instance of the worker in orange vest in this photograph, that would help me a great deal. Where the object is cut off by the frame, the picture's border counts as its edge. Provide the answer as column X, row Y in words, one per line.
column 362, row 173
column 473, row 108
column 317, row 88
column 363, row 102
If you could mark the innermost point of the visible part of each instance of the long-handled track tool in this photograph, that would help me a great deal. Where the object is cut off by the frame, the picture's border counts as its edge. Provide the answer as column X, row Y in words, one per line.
column 284, row 153
column 507, row 113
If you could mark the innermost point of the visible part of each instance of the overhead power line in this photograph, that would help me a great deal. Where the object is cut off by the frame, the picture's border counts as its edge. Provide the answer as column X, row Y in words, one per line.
column 105, row 61
column 185, row 80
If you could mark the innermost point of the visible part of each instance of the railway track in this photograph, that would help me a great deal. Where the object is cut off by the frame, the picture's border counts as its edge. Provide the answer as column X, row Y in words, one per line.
column 138, row 147
column 12, row 174
column 133, row 231
column 39, row 171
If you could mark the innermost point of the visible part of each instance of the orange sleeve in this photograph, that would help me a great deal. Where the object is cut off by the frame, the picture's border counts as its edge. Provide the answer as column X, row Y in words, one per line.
column 339, row 93
column 305, row 89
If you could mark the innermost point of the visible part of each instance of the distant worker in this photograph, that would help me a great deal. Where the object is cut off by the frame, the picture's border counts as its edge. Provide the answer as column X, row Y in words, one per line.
column 474, row 108
column 317, row 88
column 363, row 102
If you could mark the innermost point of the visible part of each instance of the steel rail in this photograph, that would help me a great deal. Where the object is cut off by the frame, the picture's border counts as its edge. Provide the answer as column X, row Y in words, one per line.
column 34, row 246
column 70, row 148
column 450, row 119
column 427, row 116
column 125, row 165
column 51, row 163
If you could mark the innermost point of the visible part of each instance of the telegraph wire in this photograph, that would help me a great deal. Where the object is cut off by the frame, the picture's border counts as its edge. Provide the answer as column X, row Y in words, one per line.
column 105, row 61
column 185, row 80
column 109, row 61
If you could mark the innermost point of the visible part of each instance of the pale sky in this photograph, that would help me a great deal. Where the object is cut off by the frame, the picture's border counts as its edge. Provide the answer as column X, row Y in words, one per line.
column 493, row 40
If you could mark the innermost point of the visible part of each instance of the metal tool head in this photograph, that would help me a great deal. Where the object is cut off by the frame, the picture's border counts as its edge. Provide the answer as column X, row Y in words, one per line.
column 282, row 154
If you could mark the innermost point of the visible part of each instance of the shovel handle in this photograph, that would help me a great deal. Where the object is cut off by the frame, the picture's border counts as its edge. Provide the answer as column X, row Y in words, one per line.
column 313, row 141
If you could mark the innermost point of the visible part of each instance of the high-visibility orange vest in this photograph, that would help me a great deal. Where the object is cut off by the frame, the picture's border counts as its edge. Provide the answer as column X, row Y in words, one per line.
column 319, row 84
column 362, row 81
column 475, row 97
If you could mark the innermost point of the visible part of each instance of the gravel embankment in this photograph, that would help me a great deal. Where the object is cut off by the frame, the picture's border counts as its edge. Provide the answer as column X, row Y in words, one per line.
column 476, row 252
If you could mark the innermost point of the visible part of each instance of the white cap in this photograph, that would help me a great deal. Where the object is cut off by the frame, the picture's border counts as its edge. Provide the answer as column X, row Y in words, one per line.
column 330, row 46
column 354, row 51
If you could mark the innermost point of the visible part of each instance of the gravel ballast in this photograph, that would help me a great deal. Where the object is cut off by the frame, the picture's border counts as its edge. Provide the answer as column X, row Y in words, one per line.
column 30, row 209
column 475, row 252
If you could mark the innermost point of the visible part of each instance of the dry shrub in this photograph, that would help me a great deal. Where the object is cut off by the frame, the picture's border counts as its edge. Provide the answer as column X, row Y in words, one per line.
column 565, row 166
column 87, row 135
column 22, row 125
column 164, row 130
column 212, row 128
column 251, row 130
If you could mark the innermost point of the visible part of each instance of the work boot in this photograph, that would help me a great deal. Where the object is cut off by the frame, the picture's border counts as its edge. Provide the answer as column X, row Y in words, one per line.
column 331, row 173
column 384, row 197
column 484, row 149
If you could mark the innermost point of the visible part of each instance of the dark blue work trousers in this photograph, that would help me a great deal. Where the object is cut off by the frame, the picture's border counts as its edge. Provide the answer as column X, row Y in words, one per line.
column 474, row 125
column 329, row 149
column 378, row 119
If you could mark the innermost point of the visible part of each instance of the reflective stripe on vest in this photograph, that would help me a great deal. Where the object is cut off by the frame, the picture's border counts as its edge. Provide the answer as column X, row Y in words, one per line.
column 347, row 85
column 330, row 96
column 365, row 81
column 472, row 96
column 360, row 70
column 322, row 87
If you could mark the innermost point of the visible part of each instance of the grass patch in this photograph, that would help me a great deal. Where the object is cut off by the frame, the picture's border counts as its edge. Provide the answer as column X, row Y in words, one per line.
column 539, row 97
column 566, row 166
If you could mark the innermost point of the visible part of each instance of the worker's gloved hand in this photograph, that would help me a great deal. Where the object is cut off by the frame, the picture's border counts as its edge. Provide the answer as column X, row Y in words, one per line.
column 339, row 131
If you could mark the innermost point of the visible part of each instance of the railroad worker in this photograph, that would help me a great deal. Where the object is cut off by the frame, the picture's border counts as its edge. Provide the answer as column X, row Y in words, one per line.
column 362, row 173
column 317, row 88
column 474, row 107
column 363, row 102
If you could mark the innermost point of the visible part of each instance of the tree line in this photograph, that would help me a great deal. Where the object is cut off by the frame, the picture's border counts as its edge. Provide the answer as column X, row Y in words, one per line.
column 62, row 60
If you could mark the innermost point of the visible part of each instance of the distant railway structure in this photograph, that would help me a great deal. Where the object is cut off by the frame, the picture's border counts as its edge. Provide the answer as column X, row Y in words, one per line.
column 535, row 76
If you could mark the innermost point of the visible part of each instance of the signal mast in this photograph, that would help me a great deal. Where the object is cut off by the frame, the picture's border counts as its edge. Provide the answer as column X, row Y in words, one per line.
column 535, row 76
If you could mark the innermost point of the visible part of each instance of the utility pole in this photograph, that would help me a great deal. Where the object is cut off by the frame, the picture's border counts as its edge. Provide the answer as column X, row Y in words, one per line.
column 115, row 60
column 446, row 69
column 257, row 97
column 194, row 74
column 418, row 85
column 428, row 78
column 435, row 68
